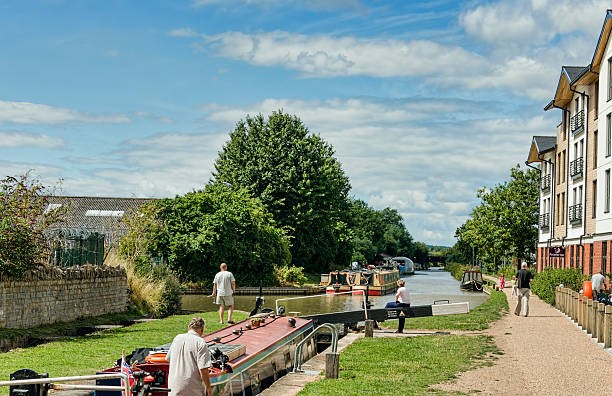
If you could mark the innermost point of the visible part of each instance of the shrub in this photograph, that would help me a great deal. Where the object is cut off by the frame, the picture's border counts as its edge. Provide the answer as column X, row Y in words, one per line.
column 289, row 275
column 155, row 292
column 457, row 269
column 545, row 282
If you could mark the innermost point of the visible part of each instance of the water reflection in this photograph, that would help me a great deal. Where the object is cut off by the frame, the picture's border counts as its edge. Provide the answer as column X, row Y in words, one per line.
column 425, row 288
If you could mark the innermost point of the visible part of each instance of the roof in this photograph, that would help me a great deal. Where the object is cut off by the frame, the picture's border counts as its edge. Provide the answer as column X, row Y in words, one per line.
column 602, row 42
column 539, row 146
column 95, row 214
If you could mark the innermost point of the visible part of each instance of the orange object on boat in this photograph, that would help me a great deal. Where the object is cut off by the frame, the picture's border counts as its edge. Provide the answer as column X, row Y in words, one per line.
column 156, row 358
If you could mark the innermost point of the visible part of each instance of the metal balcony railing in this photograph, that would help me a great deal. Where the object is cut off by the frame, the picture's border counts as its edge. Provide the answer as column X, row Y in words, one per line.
column 545, row 221
column 577, row 122
column 576, row 167
column 545, row 182
column 575, row 214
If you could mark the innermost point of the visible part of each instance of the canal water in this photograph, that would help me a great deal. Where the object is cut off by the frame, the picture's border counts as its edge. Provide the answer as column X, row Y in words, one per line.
column 425, row 287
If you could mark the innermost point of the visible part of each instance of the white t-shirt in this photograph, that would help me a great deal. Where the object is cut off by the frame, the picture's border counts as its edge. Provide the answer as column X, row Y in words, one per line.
column 403, row 295
column 187, row 355
column 597, row 281
column 224, row 280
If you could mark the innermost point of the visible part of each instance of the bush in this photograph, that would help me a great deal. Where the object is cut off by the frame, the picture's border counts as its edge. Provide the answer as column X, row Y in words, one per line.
column 155, row 292
column 508, row 271
column 289, row 275
column 457, row 269
column 545, row 282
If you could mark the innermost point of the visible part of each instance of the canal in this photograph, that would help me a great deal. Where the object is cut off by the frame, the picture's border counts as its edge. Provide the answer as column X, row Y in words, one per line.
column 425, row 287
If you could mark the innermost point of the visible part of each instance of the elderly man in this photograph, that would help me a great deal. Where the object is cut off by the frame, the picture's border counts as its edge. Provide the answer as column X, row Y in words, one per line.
column 224, row 286
column 598, row 281
column 189, row 359
column 523, row 278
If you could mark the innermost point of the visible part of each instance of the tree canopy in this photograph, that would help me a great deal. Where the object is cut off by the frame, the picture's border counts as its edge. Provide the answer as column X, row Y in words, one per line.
column 504, row 225
column 196, row 232
column 297, row 178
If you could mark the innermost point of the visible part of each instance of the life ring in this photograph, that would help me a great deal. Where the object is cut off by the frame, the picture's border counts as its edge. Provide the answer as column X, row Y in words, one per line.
column 156, row 358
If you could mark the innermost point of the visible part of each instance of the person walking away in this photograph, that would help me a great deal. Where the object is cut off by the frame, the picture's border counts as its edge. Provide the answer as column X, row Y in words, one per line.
column 402, row 300
column 224, row 286
column 513, row 285
column 502, row 282
column 189, row 359
column 523, row 277
column 597, row 282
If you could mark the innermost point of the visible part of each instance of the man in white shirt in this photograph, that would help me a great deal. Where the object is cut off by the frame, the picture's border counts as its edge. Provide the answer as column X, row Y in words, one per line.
column 189, row 360
column 598, row 281
column 224, row 286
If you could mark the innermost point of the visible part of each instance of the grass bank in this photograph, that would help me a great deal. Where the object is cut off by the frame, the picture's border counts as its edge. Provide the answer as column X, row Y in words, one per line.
column 409, row 366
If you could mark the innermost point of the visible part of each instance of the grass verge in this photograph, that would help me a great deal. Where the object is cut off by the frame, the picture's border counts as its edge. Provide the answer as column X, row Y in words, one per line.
column 403, row 366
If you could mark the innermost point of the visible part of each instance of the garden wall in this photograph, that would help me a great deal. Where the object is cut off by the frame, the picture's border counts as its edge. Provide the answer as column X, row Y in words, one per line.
column 59, row 295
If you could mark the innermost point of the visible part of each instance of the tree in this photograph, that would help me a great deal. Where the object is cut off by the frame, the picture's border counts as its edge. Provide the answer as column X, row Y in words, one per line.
column 24, row 217
column 296, row 177
column 505, row 222
column 196, row 232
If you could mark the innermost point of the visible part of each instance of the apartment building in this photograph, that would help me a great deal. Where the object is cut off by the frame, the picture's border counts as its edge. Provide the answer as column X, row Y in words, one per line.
column 575, row 222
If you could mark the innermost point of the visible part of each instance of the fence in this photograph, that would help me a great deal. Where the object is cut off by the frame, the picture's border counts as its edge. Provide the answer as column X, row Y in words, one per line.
column 592, row 316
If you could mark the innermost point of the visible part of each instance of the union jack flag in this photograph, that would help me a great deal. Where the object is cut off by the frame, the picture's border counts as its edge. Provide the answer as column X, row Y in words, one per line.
column 126, row 369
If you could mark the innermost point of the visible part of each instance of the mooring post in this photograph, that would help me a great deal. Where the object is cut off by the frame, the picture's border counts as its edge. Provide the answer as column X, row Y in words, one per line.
column 369, row 328
column 332, row 364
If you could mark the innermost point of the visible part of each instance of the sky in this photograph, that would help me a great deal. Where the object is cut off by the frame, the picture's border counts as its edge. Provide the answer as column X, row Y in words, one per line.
column 424, row 102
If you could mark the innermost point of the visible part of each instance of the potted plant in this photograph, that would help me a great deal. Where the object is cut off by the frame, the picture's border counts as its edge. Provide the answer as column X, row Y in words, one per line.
column 255, row 322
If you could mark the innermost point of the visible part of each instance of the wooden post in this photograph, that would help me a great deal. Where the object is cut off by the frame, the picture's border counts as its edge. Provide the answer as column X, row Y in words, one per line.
column 608, row 326
column 369, row 328
column 600, row 321
column 332, row 364
column 589, row 316
column 579, row 313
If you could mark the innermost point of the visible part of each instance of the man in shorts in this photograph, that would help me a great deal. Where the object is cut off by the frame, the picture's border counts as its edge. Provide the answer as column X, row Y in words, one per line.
column 224, row 286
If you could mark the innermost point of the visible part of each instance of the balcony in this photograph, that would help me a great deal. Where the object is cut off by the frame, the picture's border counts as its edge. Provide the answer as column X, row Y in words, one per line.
column 576, row 168
column 577, row 123
column 575, row 214
column 545, row 183
column 545, row 221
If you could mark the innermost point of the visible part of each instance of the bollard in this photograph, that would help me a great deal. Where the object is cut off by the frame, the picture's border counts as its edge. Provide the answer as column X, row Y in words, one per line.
column 369, row 328
column 600, row 321
column 608, row 326
column 589, row 316
column 332, row 364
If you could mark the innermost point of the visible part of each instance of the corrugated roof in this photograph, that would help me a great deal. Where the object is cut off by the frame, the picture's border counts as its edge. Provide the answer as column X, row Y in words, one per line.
column 96, row 214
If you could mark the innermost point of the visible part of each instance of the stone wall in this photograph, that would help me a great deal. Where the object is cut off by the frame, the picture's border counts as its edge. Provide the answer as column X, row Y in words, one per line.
column 59, row 295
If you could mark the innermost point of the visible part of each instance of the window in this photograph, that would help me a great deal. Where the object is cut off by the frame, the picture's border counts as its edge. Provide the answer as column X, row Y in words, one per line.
column 594, row 149
column 609, row 78
column 590, row 258
column 608, row 136
column 607, row 192
column 604, row 255
column 594, row 200
column 563, row 208
column 596, row 99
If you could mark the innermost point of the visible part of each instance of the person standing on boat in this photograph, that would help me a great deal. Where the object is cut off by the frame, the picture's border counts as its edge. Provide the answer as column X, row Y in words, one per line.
column 189, row 359
column 523, row 277
column 224, row 286
column 402, row 300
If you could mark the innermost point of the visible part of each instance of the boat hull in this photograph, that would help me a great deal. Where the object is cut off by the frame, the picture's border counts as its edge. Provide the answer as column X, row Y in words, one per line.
column 268, row 353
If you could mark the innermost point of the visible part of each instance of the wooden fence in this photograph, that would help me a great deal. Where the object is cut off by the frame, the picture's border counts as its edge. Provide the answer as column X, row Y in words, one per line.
column 592, row 316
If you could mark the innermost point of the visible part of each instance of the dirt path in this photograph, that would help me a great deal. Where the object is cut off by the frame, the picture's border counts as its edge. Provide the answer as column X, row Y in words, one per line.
column 544, row 354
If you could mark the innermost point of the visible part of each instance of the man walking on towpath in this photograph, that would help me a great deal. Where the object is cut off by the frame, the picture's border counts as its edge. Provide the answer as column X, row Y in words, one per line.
column 523, row 277
column 224, row 286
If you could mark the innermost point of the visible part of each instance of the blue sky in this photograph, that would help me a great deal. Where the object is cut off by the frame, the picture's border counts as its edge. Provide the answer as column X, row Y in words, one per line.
column 423, row 101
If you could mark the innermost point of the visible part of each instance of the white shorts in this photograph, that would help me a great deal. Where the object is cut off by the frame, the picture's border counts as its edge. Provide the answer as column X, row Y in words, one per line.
column 226, row 301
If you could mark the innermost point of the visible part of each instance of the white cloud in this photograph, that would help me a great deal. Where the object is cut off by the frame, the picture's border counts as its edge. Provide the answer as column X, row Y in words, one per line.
column 12, row 139
column 33, row 113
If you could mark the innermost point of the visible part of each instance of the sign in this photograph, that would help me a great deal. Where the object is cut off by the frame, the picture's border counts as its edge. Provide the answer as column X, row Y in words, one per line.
column 556, row 251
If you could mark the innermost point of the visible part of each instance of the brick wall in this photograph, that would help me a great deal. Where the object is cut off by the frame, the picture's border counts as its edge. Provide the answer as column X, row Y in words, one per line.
column 59, row 295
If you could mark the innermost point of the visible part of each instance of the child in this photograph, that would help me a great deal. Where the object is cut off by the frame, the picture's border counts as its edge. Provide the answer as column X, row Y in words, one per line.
column 502, row 282
column 513, row 283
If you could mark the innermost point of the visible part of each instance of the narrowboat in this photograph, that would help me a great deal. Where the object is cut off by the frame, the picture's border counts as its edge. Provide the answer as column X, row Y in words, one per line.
column 247, row 356
column 406, row 266
column 472, row 280
column 378, row 281
column 340, row 281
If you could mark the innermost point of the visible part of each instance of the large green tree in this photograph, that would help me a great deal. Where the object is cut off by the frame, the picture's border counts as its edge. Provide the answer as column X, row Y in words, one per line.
column 298, row 179
column 504, row 225
column 24, row 217
column 195, row 232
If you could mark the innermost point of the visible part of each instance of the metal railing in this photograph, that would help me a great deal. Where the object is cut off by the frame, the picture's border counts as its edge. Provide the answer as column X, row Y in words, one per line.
column 576, row 167
column 545, row 221
column 297, row 364
column 577, row 122
column 545, row 182
column 575, row 213
column 125, row 388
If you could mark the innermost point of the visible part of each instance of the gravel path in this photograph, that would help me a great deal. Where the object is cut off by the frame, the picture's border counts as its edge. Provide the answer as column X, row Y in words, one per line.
column 544, row 354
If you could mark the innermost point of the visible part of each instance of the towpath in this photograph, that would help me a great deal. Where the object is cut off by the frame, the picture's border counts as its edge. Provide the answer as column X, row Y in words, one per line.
column 543, row 354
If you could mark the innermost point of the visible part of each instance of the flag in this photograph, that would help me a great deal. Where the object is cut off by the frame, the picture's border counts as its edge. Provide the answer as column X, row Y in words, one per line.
column 126, row 369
